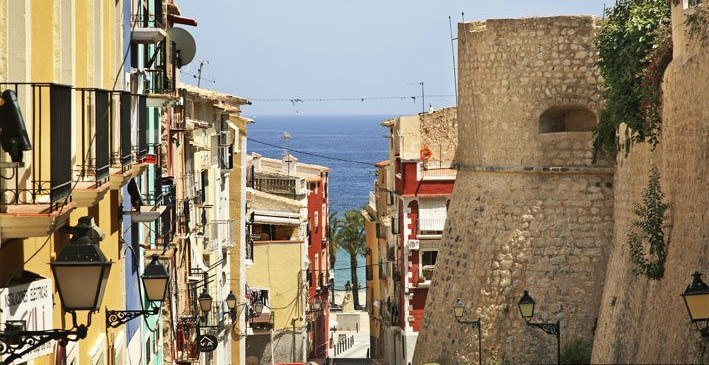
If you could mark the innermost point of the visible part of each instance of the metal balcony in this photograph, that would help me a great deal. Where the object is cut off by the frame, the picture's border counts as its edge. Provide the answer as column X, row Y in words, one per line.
column 93, row 161
column 37, row 196
column 141, row 149
column 47, row 175
column 147, row 22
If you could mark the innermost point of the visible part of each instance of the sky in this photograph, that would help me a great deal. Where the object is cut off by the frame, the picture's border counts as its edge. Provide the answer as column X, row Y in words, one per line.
column 341, row 49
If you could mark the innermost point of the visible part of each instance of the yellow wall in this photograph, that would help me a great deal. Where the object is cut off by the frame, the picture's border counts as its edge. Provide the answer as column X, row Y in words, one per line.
column 43, row 60
column 236, row 192
column 277, row 268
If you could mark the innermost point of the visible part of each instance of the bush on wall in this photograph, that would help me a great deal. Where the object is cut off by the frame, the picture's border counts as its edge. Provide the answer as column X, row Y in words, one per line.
column 635, row 47
column 649, row 231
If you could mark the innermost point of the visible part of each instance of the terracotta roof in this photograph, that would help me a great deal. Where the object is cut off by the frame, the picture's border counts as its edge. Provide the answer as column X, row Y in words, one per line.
column 382, row 163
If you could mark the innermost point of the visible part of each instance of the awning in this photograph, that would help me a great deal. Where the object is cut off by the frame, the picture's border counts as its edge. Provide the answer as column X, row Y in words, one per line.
column 270, row 217
column 181, row 20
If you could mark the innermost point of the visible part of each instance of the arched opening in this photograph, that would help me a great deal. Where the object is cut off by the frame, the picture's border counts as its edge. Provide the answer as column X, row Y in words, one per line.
column 567, row 118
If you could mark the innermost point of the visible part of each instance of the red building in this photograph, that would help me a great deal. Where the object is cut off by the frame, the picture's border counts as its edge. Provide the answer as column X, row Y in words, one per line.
column 319, row 255
column 419, row 182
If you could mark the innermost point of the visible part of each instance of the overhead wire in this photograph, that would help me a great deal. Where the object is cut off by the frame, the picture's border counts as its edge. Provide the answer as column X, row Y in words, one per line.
column 310, row 153
column 294, row 100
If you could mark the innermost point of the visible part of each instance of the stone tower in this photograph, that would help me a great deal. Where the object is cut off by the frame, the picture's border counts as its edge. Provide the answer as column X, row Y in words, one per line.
column 529, row 209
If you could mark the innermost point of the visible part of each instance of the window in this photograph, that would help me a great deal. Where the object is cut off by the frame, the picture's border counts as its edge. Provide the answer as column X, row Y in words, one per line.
column 566, row 118
column 432, row 215
column 315, row 223
column 428, row 264
column 428, row 258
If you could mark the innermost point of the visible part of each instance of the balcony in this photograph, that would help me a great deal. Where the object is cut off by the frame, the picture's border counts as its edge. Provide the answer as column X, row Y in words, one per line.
column 36, row 197
column 92, row 160
column 280, row 186
column 141, row 149
column 121, row 135
column 167, row 224
column 222, row 234
column 147, row 23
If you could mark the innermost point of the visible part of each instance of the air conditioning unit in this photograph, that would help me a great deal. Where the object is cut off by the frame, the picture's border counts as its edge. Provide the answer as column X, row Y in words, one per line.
column 413, row 244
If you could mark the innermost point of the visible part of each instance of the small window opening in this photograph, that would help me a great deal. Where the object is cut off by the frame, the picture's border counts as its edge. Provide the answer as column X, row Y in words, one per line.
column 568, row 118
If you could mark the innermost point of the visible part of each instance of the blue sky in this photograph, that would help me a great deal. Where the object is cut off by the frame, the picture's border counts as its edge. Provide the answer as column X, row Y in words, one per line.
column 263, row 49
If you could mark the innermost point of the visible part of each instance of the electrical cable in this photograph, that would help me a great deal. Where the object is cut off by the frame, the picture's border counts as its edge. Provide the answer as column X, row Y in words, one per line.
column 294, row 100
column 311, row 154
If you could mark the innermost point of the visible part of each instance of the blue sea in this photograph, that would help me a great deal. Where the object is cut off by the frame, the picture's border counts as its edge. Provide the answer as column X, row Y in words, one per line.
column 353, row 138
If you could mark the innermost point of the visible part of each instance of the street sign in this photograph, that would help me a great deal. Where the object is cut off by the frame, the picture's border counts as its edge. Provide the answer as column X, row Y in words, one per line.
column 206, row 343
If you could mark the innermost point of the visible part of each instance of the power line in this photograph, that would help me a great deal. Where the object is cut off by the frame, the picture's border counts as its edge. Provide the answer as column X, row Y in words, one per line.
column 294, row 100
column 312, row 154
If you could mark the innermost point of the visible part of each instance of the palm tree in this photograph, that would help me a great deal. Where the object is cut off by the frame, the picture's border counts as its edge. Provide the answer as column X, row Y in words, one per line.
column 334, row 225
column 350, row 237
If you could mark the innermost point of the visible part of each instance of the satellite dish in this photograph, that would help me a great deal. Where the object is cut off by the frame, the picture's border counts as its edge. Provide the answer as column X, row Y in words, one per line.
column 185, row 46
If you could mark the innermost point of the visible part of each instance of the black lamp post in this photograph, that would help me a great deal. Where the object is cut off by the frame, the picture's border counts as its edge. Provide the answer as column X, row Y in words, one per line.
column 458, row 309
column 155, row 279
column 526, row 308
column 696, row 298
column 80, row 272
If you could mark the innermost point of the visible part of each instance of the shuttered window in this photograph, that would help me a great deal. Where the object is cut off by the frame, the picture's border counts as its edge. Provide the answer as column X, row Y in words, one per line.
column 432, row 214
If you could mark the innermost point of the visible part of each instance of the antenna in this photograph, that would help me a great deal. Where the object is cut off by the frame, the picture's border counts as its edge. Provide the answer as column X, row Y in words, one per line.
column 455, row 74
column 198, row 76
column 285, row 137
column 423, row 98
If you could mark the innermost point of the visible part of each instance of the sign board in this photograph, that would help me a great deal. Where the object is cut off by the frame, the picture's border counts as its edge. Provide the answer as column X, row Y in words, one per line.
column 206, row 343
column 32, row 303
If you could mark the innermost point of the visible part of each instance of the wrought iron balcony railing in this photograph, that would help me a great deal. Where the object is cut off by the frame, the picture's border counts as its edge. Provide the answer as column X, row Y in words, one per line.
column 93, row 146
column 149, row 14
column 141, row 148
column 46, row 177
column 121, row 152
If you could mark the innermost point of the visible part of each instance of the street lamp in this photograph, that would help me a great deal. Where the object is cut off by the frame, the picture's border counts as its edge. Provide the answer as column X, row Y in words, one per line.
column 526, row 308
column 458, row 309
column 205, row 302
column 155, row 279
column 258, row 308
column 696, row 298
column 80, row 272
column 231, row 305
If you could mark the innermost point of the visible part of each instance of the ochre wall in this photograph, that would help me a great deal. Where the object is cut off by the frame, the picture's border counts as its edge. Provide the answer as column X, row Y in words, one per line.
column 642, row 320
column 528, row 210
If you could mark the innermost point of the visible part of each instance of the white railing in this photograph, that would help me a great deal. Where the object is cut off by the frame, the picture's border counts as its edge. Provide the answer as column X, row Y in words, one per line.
column 223, row 233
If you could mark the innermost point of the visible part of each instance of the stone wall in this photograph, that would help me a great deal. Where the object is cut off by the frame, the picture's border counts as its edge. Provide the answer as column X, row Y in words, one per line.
column 529, row 209
column 439, row 131
column 642, row 320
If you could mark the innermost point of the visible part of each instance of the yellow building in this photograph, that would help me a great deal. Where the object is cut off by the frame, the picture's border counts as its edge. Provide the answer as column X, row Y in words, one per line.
column 62, row 59
column 242, row 252
column 275, row 277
